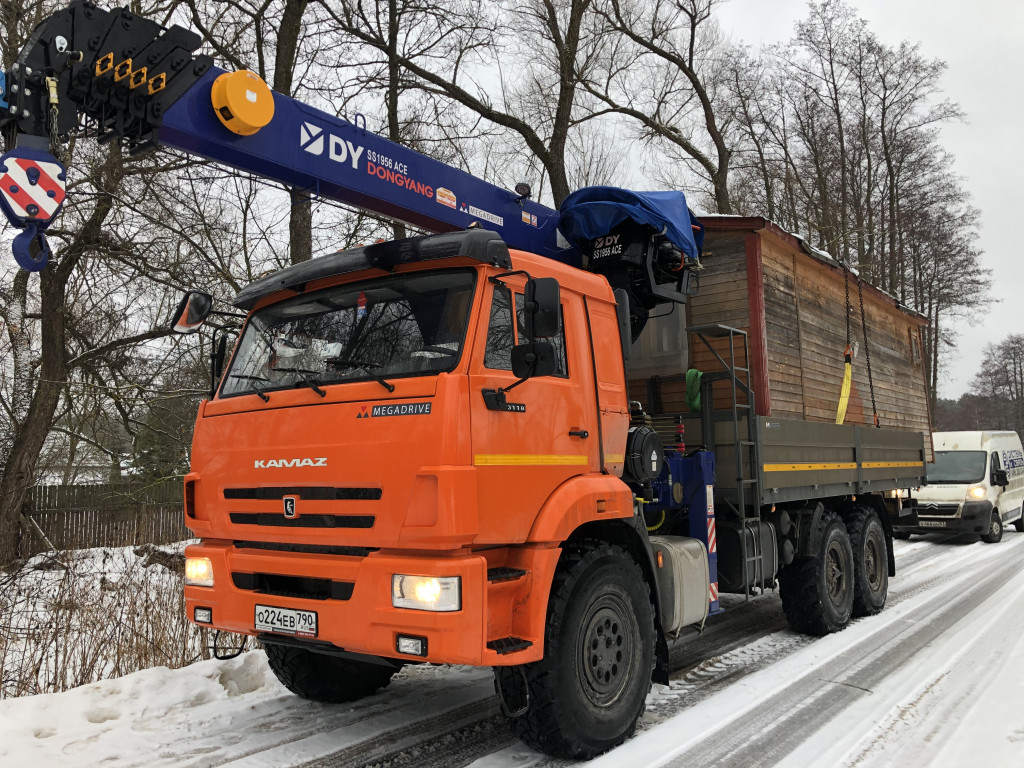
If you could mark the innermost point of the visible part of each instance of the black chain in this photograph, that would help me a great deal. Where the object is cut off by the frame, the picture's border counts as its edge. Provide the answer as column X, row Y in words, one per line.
column 867, row 351
column 846, row 284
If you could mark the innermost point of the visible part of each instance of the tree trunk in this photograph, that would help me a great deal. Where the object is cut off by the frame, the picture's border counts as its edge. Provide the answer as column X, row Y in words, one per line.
column 300, row 224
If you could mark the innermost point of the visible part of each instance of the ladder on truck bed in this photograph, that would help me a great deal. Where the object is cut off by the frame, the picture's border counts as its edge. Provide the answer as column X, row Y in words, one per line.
column 748, row 484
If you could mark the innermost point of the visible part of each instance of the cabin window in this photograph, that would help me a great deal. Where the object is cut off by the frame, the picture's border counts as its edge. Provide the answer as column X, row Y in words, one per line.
column 915, row 347
column 503, row 334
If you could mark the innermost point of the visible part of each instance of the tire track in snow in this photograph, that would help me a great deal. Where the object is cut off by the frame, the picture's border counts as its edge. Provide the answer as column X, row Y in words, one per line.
column 738, row 643
column 778, row 723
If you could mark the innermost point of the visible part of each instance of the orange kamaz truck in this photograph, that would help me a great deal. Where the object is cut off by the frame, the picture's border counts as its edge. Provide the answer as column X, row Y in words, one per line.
column 541, row 441
column 426, row 451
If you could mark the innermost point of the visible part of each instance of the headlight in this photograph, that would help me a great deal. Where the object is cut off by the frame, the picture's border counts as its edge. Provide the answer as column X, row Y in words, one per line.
column 426, row 593
column 977, row 491
column 198, row 572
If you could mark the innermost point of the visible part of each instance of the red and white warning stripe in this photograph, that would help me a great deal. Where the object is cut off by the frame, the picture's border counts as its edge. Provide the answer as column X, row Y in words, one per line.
column 46, row 194
column 712, row 543
column 714, row 591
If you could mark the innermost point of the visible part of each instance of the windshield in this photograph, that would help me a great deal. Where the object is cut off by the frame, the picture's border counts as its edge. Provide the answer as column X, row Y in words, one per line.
column 956, row 467
column 396, row 326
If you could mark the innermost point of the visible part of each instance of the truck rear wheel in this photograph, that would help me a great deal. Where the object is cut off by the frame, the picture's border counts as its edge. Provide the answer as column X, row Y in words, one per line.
column 995, row 529
column 817, row 591
column 588, row 692
column 870, row 561
column 322, row 677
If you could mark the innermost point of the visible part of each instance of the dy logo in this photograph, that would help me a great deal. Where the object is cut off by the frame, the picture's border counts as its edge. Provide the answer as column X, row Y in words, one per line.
column 311, row 138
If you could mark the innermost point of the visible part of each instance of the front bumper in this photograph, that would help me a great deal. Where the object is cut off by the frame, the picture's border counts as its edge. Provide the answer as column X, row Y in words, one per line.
column 970, row 517
column 360, row 618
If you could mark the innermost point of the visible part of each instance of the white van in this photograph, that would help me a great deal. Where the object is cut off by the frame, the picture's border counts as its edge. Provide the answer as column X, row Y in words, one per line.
column 976, row 485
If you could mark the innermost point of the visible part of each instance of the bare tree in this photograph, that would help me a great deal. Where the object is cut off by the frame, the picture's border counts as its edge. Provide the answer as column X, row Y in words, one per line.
column 669, row 73
column 533, row 92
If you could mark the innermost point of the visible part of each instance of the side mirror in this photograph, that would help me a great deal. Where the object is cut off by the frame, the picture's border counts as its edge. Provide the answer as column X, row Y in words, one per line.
column 999, row 477
column 536, row 359
column 192, row 312
column 542, row 305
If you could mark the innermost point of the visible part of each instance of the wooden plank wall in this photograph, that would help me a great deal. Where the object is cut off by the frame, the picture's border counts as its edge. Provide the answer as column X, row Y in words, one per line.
column 805, row 328
column 722, row 299
column 805, row 309
column 82, row 516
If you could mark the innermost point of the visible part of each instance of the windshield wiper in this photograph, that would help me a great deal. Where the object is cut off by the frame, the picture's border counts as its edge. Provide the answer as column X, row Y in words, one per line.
column 344, row 362
column 308, row 378
column 253, row 379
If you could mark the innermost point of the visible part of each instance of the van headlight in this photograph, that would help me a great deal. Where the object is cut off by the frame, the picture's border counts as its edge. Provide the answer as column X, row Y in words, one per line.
column 977, row 492
column 426, row 593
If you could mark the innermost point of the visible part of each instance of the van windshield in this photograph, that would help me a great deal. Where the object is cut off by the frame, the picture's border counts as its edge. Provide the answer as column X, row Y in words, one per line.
column 957, row 467
column 392, row 327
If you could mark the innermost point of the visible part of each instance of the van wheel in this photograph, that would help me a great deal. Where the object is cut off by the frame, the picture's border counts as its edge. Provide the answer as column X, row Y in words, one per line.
column 817, row 591
column 995, row 530
column 322, row 677
column 870, row 561
column 588, row 692
column 1019, row 522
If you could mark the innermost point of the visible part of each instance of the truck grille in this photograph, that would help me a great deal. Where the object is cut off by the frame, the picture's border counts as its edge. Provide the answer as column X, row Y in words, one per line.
column 937, row 510
column 293, row 586
column 311, row 493
column 303, row 521
column 309, row 549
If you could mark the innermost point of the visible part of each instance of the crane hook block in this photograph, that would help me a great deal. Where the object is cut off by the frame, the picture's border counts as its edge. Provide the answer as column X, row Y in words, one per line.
column 32, row 191
column 242, row 101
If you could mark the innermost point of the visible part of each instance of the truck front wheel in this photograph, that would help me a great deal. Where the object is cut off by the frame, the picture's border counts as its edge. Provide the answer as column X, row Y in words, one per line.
column 870, row 561
column 817, row 591
column 322, row 677
column 588, row 692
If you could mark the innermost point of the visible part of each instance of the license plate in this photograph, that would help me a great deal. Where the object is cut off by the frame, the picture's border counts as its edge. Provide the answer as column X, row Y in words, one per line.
column 286, row 621
column 932, row 523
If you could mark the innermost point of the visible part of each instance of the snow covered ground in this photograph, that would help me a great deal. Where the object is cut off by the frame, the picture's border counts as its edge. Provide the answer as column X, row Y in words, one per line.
column 937, row 679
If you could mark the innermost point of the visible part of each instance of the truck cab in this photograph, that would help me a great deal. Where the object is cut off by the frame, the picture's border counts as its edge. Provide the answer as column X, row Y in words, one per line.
column 380, row 447
column 975, row 485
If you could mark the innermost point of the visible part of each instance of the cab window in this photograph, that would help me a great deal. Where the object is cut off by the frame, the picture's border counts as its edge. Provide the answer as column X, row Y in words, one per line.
column 503, row 333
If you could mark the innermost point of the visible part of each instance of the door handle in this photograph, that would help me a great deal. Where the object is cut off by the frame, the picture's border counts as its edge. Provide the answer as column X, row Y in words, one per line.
column 578, row 433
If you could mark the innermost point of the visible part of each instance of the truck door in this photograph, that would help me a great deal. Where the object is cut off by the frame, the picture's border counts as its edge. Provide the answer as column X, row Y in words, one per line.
column 548, row 431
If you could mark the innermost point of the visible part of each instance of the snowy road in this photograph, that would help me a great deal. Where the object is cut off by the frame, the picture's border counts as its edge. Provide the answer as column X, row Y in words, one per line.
column 936, row 679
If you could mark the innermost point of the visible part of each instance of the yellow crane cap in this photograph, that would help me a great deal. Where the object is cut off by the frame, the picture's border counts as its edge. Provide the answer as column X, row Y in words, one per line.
column 242, row 101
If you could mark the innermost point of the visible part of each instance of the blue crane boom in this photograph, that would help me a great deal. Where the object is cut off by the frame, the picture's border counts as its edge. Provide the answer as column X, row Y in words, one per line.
column 126, row 77
column 120, row 76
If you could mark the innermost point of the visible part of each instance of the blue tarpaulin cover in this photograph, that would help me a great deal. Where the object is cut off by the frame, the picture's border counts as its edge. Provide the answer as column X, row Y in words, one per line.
column 592, row 212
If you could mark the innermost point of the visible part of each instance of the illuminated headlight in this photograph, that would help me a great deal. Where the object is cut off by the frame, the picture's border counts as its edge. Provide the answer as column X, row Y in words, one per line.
column 426, row 593
column 198, row 572
column 977, row 491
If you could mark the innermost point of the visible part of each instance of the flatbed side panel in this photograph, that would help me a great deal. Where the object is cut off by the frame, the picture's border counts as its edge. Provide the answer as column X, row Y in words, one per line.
column 806, row 460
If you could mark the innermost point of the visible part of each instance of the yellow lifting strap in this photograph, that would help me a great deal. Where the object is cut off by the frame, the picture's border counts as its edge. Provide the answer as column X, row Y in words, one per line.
column 844, row 394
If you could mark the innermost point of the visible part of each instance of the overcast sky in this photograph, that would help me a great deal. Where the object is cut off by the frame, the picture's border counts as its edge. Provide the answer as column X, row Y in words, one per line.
column 982, row 43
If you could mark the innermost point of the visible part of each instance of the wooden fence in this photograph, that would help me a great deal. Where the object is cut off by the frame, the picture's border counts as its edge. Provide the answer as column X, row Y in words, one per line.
column 81, row 516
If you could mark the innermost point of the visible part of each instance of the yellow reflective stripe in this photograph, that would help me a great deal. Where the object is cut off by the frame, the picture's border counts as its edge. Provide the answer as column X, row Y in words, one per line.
column 890, row 464
column 804, row 467
column 615, row 458
column 840, row 465
column 527, row 459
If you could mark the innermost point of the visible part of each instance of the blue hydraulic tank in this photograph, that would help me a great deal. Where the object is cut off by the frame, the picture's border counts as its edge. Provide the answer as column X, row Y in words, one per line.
column 698, row 479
